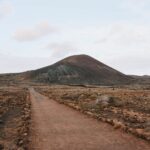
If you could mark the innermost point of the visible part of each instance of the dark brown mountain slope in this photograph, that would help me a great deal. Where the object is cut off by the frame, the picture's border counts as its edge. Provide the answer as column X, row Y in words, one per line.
column 79, row 69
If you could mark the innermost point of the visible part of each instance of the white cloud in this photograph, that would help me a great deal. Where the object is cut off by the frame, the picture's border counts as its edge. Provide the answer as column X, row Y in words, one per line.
column 59, row 50
column 6, row 8
column 124, row 46
column 29, row 34
column 126, row 36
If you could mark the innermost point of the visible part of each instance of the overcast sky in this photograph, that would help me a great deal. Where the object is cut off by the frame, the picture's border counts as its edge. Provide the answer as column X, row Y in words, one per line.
column 37, row 33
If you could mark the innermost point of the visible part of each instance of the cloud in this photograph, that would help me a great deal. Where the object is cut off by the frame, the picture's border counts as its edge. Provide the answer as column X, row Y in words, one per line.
column 6, row 8
column 122, row 45
column 114, row 44
column 124, row 35
column 61, row 49
column 29, row 34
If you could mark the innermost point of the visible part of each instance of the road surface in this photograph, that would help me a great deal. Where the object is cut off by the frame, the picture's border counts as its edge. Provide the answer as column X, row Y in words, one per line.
column 58, row 127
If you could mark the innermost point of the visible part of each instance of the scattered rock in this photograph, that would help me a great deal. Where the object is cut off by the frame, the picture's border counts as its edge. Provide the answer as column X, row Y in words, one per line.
column 115, row 101
column 106, row 100
column 117, row 124
column 20, row 148
column 1, row 121
column 103, row 100
column 15, row 110
column 20, row 142
column 1, row 147
column 123, row 108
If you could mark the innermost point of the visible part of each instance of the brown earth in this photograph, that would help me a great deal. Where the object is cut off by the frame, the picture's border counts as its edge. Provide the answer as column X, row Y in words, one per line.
column 14, row 118
column 124, row 108
column 57, row 127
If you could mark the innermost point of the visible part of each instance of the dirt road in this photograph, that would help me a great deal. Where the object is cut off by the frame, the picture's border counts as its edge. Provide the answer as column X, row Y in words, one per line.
column 58, row 127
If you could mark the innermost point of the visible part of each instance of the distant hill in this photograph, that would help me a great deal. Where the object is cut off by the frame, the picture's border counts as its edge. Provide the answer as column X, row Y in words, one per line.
column 141, row 79
column 77, row 70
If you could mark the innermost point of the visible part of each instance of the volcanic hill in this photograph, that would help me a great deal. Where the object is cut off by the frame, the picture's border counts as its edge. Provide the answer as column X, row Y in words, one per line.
column 78, row 70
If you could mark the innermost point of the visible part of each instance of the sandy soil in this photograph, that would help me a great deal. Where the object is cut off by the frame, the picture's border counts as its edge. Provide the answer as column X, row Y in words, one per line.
column 57, row 127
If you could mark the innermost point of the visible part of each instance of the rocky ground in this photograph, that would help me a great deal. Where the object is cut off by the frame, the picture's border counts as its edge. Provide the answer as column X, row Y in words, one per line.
column 14, row 118
column 125, row 109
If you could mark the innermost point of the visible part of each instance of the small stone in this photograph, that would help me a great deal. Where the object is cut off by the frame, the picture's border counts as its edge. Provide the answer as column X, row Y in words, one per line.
column 1, row 147
column 20, row 148
column 25, row 134
column 1, row 121
column 103, row 100
column 20, row 142
column 117, row 124
column 140, row 132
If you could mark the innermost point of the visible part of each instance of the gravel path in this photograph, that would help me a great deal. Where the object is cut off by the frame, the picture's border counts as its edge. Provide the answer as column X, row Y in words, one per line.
column 58, row 127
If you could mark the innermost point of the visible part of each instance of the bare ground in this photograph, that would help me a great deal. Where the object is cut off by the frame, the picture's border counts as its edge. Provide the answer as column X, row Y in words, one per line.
column 123, row 108
column 14, row 118
column 57, row 127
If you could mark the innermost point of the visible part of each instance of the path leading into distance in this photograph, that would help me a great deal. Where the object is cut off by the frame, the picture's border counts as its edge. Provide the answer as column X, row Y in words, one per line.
column 58, row 127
